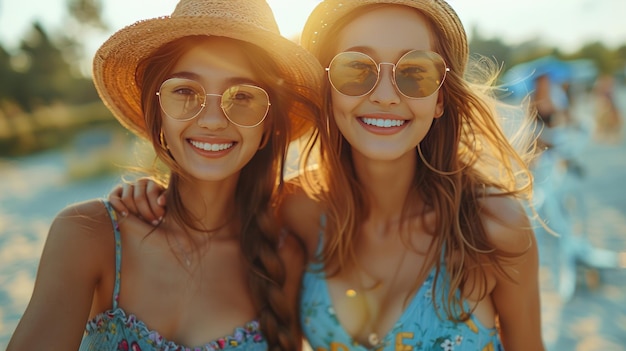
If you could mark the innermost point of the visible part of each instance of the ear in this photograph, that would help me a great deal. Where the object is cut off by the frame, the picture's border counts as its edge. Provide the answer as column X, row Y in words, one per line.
column 439, row 106
column 162, row 140
column 264, row 139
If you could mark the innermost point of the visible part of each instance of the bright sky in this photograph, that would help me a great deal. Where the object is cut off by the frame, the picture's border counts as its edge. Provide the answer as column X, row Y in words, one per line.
column 563, row 23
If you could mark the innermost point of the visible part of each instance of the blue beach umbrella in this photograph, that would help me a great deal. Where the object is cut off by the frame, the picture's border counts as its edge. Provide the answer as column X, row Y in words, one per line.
column 520, row 79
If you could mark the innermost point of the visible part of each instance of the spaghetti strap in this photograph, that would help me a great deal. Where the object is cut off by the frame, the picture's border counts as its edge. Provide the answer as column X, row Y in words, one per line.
column 118, row 252
column 320, row 239
column 317, row 265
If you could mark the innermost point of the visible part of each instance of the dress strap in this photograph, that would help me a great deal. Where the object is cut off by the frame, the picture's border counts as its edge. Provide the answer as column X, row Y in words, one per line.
column 317, row 264
column 320, row 239
column 118, row 252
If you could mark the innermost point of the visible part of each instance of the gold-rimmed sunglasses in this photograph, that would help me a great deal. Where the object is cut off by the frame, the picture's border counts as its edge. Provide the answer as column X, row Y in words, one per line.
column 418, row 74
column 244, row 105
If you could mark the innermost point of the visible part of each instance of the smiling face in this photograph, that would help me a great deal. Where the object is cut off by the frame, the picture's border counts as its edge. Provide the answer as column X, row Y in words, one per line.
column 384, row 124
column 209, row 147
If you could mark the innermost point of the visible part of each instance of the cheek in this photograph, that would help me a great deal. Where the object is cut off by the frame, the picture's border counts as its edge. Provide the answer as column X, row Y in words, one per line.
column 252, row 136
column 343, row 108
column 342, row 105
column 429, row 108
column 172, row 135
column 171, row 130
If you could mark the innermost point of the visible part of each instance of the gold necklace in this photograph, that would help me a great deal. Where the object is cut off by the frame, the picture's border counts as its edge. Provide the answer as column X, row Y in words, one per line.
column 187, row 259
column 373, row 338
column 188, row 255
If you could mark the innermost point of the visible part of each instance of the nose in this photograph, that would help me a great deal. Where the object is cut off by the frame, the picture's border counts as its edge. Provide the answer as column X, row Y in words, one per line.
column 385, row 91
column 212, row 116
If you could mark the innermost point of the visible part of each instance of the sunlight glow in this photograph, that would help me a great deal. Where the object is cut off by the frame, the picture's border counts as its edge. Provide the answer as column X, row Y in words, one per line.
column 291, row 15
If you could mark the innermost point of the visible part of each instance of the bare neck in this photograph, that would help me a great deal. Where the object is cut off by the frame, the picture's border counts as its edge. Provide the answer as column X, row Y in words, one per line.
column 387, row 184
column 212, row 203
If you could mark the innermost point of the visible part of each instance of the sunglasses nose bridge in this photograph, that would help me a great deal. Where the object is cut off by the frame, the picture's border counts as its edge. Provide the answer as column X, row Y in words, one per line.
column 205, row 103
column 213, row 95
column 385, row 90
column 212, row 115
column 393, row 72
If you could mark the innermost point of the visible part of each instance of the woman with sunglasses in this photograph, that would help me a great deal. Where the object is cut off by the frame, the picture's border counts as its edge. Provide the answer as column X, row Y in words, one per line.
column 218, row 93
column 412, row 213
column 424, row 242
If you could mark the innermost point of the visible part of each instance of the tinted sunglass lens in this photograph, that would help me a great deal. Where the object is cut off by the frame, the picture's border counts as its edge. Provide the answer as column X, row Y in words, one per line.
column 419, row 74
column 181, row 98
column 245, row 105
column 353, row 73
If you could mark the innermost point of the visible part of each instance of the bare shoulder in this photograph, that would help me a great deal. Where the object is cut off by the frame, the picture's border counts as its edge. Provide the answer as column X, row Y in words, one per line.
column 85, row 226
column 507, row 224
column 300, row 215
column 296, row 199
column 71, row 266
column 81, row 241
column 90, row 217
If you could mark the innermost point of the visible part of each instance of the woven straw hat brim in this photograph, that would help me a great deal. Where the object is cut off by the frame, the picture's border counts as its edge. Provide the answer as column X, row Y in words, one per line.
column 440, row 13
column 115, row 63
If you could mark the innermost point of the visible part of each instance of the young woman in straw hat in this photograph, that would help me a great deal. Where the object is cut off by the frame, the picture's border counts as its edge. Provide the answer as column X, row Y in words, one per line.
column 414, row 220
column 219, row 93
column 427, row 245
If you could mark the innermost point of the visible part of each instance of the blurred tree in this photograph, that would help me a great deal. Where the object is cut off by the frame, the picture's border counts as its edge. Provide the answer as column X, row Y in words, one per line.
column 45, row 74
column 6, row 83
column 493, row 48
column 607, row 60
column 530, row 50
column 85, row 21
column 87, row 13
column 621, row 57
column 5, row 73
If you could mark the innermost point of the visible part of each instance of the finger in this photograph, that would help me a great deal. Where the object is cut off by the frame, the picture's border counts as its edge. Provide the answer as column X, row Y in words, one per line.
column 156, row 199
column 128, row 199
column 115, row 199
column 143, row 202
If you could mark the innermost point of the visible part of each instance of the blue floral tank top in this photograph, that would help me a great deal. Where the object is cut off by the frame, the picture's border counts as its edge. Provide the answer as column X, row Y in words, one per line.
column 418, row 328
column 114, row 330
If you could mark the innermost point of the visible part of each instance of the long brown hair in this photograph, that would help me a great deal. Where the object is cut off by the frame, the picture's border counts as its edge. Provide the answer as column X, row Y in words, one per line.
column 464, row 158
column 258, row 182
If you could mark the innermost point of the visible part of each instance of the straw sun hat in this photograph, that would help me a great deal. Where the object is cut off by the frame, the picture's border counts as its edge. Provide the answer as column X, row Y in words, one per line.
column 115, row 64
column 443, row 17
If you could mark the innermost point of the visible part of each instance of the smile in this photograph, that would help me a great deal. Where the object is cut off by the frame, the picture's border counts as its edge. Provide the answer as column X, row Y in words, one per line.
column 383, row 123
column 211, row 147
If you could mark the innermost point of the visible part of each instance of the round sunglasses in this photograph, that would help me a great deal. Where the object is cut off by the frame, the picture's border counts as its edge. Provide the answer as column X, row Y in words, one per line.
column 417, row 74
column 183, row 99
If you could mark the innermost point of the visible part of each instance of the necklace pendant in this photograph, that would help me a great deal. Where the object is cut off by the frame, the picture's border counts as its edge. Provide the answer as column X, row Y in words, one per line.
column 373, row 339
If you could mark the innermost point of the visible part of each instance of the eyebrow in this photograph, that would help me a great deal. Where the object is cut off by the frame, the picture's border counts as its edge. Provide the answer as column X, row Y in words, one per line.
column 371, row 52
column 364, row 49
column 200, row 78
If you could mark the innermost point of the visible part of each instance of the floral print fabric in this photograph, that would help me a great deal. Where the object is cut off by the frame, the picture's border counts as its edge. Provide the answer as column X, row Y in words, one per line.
column 418, row 328
column 114, row 330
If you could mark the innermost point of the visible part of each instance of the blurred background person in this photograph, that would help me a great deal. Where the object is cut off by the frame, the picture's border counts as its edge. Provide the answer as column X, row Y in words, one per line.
column 608, row 116
column 558, row 178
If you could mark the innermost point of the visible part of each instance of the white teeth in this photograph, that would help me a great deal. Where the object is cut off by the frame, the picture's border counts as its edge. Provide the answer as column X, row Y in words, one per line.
column 211, row 147
column 384, row 123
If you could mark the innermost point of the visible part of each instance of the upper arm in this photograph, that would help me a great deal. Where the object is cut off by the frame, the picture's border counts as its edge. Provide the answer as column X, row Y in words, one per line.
column 69, row 270
column 516, row 294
